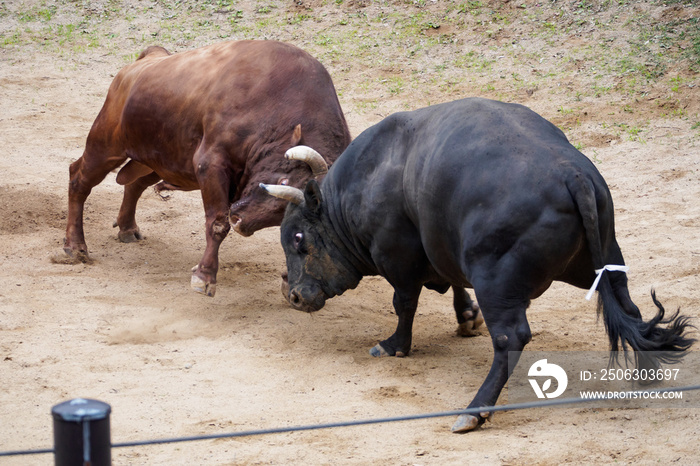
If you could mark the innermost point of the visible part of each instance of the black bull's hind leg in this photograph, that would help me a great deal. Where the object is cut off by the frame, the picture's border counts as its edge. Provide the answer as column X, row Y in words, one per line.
column 510, row 331
column 469, row 316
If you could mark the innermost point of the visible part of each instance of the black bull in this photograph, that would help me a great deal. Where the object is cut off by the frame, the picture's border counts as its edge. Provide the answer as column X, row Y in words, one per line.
column 477, row 194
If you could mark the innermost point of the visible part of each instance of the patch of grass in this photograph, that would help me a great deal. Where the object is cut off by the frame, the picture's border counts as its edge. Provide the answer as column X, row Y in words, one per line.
column 472, row 61
column 395, row 84
column 599, row 91
column 565, row 111
column 41, row 12
column 693, row 52
column 676, row 83
column 549, row 28
column 14, row 38
column 473, row 6
column 298, row 18
column 633, row 132
column 225, row 5
column 367, row 105
column 235, row 16
column 323, row 39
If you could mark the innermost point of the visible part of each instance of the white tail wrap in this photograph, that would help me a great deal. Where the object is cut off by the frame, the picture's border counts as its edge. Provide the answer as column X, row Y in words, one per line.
column 319, row 167
column 599, row 273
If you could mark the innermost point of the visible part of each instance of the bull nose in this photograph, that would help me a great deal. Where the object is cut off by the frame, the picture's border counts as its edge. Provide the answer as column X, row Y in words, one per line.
column 306, row 298
column 295, row 299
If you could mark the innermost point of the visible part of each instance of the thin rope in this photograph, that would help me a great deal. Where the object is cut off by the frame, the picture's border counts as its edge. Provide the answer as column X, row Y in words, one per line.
column 412, row 417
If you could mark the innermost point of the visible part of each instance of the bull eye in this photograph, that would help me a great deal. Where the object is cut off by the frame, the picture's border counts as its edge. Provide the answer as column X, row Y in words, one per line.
column 284, row 181
column 298, row 238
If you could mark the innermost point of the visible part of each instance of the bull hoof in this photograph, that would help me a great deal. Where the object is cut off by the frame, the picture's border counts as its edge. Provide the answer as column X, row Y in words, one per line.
column 479, row 320
column 378, row 351
column 70, row 256
column 468, row 328
column 60, row 257
column 130, row 236
column 466, row 423
column 200, row 286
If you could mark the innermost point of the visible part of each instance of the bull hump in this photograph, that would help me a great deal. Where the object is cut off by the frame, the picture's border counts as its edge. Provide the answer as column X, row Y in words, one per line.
column 154, row 50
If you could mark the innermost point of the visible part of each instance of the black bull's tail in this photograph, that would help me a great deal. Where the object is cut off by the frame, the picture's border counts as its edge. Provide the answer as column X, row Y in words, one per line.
column 667, row 338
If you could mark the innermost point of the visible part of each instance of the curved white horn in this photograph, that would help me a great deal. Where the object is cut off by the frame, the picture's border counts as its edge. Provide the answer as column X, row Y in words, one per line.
column 289, row 193
column 319, row 167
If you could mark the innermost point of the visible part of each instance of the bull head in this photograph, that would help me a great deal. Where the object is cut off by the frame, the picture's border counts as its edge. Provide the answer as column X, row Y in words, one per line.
column 252, row 209
column 305, row 154
column 315, row 272
column 296, row 195
column 305, row 285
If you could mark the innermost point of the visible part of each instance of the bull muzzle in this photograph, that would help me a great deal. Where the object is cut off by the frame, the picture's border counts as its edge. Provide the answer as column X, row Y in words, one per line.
column 306, row 298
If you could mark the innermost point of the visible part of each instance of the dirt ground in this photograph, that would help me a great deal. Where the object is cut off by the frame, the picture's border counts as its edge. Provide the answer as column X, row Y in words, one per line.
column 128, row 330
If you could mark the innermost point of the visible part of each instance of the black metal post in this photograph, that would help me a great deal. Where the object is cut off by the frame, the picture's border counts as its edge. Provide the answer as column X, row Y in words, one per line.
column 81, row 434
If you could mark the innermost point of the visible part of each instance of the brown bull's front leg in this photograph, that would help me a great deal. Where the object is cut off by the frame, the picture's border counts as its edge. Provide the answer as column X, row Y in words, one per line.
column 214, row 182
column 399, row 344
column 204, row 274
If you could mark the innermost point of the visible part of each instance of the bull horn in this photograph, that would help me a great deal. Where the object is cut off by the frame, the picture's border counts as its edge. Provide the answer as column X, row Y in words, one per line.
column 288, row 193
column 319, row 167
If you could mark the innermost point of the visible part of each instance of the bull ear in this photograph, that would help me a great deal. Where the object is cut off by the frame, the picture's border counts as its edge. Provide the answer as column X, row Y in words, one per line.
column 296, row 135
column 312, row 196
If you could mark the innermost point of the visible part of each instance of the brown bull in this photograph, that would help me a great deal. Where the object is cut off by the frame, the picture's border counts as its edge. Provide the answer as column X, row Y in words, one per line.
column 218, row 119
